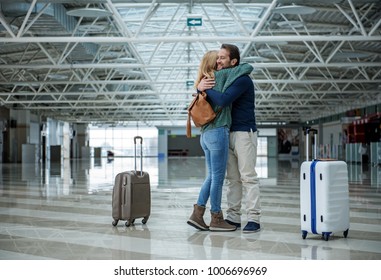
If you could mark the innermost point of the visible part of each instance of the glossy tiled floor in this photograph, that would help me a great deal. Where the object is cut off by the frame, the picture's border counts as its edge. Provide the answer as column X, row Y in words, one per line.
column 63, row 211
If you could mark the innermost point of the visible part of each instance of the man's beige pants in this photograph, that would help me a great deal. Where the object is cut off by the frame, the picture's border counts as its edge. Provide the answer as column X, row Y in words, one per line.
column 241, row 177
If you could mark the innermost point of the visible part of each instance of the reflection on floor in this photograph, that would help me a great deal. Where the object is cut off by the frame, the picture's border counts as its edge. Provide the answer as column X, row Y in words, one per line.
column 63, row 211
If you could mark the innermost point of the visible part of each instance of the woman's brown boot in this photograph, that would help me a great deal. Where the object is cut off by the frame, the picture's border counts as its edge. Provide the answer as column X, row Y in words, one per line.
column 219, row 224
column 197, row 218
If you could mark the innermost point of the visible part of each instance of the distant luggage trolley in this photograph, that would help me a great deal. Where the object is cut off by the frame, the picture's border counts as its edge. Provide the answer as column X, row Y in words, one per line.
column 131, row 197
column 324, row 195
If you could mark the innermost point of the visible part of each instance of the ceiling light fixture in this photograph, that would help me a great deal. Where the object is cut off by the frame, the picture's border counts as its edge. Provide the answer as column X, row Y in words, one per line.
column 58, row 76
column 86, row 89
column 127, row 71
column 270, row 51
column 272, row 43
column 291, row 24
column 88, row 12
column 296, row 2
column 127, row 59
column 255, row 58
column 91, row 28
column 294, row 10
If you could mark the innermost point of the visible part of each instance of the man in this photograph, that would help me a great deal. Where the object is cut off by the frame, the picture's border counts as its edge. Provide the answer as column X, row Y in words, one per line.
column 241, row 175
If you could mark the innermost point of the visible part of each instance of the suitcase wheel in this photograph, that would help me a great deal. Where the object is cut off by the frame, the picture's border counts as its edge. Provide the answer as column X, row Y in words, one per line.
column 115, row 222
column 144, row 221
column 346, row 233
column 326, row 236
column 129, row 222
column 304, row 234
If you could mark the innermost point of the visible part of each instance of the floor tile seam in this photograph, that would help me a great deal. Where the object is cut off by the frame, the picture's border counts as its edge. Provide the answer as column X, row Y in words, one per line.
column 283, row 188
column 56, row 224
column 364, row 221
column 365, row 207
column 63, row 197
column 279, row 205
column 76, row 257
column 362, row 227
column 80, row 204
column 57, row 202
column 64, row 216
column 103, row 220
column 155, row 217
column 289, row 189
column 99, row 221
column 352, row 206
column 365, row 199
column 55, row 195
column 107, row 198
column 353, row 212
column 83, row 204
column 42, row 213
column 64, row 245
column 360, row 234
column 280, row 199
column 287, row 238
column 371, row 227
column 151, row 232
column 340, row 243
column 37, row 193
column 141, row 230
column 267, row 221
column 13, row 255
column 295, row 195
column 207, row 254
column 52, row 210
column 365, row 214
column 367, row 191
column 171, row 253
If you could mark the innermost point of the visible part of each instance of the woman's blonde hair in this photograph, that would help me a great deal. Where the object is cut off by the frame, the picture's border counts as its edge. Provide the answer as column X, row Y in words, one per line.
column 207, row 66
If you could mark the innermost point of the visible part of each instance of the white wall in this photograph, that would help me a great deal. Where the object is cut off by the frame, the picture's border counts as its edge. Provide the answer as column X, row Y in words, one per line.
column 332, row 133
column 330, row 139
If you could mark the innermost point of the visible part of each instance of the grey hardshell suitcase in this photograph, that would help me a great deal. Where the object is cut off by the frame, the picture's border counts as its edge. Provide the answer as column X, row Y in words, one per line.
column 324, row 195
column 131, row 197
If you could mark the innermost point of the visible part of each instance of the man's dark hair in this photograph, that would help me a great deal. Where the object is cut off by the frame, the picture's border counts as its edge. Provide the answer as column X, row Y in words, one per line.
column 233, row 51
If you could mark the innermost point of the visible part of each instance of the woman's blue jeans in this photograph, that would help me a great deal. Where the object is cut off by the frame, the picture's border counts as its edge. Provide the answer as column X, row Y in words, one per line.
column 215, row 143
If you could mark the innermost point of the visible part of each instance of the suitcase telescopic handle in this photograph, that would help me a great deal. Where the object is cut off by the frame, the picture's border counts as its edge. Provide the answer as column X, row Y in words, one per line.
column 141, row 154
column 307, row 132
column 138, row 137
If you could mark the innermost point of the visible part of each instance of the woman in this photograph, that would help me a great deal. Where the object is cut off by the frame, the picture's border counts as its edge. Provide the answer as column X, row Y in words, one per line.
column 215, row 143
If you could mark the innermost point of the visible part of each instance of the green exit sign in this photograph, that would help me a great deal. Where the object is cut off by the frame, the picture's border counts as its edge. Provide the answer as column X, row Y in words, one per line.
column 194, row 21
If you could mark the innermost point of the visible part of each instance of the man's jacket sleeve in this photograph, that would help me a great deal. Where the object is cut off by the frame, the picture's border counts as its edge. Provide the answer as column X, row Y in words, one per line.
column 226, row 98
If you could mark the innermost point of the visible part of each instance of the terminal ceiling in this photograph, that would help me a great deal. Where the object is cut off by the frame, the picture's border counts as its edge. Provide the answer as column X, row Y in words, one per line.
column 126, row 62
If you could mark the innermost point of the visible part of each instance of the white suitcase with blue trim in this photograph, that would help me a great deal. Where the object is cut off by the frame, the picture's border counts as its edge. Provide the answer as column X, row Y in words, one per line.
column 324, row 196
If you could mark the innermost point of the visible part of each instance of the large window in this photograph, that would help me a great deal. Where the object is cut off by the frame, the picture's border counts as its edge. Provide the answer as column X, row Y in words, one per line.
column 120, row 140
column 262, row 146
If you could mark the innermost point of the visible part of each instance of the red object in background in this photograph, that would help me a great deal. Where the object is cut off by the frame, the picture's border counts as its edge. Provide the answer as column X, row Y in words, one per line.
column 366, row 129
